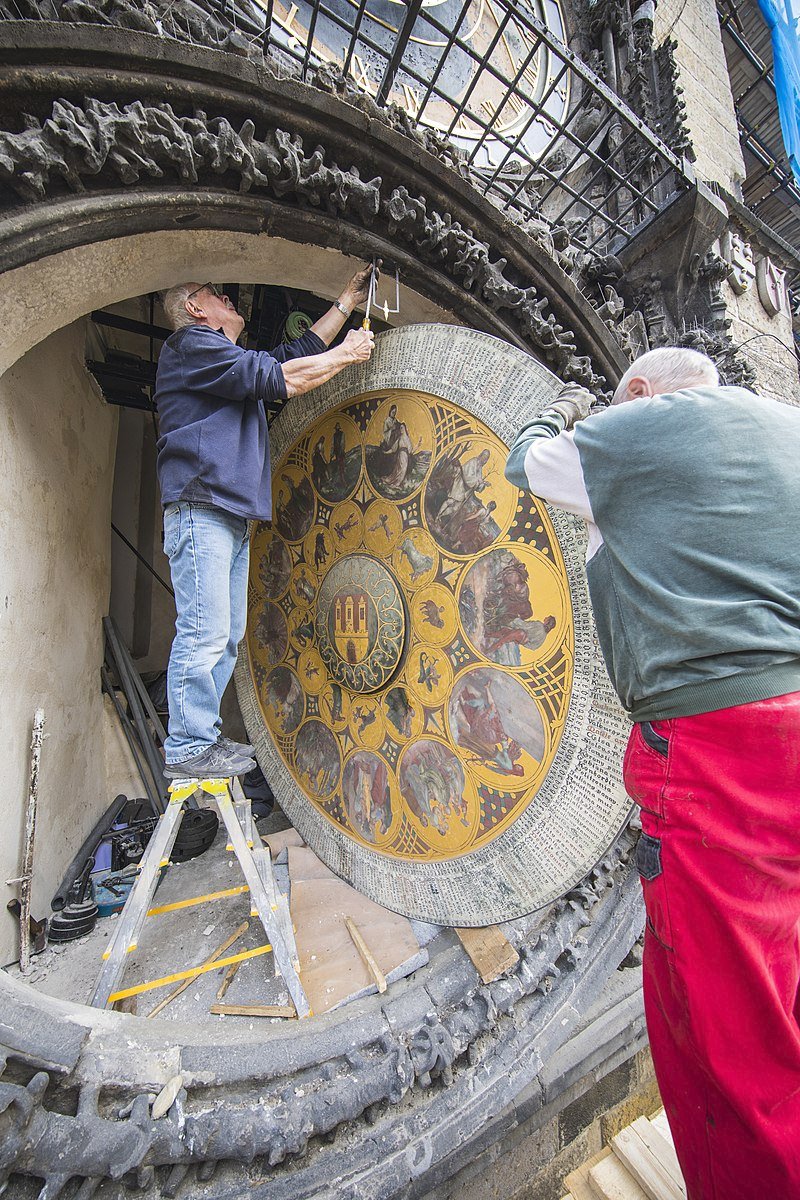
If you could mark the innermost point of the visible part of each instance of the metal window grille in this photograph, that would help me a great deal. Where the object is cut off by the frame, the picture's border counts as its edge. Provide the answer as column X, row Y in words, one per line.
column 538, row 131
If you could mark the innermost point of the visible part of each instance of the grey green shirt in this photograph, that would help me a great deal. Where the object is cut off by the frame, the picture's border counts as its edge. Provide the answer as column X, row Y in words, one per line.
column 693, row 506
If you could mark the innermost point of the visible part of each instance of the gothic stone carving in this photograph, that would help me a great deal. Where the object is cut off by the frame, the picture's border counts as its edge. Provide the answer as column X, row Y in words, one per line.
column 436, row 1037
column 76, row 145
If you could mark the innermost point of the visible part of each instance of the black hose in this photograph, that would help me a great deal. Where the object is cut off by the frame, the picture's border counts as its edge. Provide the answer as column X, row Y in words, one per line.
column 90, row 844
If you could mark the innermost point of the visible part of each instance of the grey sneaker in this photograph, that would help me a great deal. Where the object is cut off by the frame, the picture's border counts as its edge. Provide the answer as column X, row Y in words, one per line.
column 216, row 762
column 239, row 747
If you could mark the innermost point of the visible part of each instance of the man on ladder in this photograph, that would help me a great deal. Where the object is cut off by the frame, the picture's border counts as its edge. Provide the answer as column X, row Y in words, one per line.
column 214, row 476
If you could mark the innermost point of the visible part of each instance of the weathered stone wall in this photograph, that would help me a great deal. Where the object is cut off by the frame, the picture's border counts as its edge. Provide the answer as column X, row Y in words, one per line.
column 703, row 75
column 710, row 119
column 56, row 457
column 769, row 353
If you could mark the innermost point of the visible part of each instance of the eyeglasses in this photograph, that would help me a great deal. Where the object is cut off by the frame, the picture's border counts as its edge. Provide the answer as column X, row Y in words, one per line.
column 205, row 287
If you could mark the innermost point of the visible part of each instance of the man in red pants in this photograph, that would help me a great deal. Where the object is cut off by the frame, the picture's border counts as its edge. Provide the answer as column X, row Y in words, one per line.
column 691, row 494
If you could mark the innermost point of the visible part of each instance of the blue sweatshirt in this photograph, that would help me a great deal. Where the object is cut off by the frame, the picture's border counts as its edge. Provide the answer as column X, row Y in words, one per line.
column 693, row 506
column 214, row 447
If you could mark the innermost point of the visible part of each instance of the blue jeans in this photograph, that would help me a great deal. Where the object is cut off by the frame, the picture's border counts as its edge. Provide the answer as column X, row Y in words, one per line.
column 208, row 551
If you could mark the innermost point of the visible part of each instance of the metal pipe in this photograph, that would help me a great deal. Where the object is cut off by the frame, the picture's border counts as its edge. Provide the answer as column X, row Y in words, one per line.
column 126, row 673
column 143, row 560
column 90, row 844
column 399, row 49
column 133, row 745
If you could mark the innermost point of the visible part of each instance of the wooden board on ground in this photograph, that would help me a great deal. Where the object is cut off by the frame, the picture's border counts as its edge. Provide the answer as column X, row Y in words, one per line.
column 651, row 1160
column 304, row 864
column 660, row 1123
column 609, row 1180
column 331, row 968
column 490, row 950
column 280, row 840
column 254, row 1010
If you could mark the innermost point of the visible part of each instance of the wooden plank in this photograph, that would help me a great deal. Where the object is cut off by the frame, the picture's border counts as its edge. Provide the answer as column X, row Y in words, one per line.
column 490, row 950
column 645, row 1154
column 254, row 1010
column 660, row 1123
column 228, row 980
column 218, row 953
column 609, row 1180
column 661, row 1147
column 578, row 1180
column 366, row 955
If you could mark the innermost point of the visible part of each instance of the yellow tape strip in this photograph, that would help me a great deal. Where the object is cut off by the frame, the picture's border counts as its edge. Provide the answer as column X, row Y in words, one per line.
column 237, row 891
column 190, row 974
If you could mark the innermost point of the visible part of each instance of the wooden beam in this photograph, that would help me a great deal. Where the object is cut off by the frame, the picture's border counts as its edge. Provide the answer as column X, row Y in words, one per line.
column 366, row 955
column 218, row 953
column 228, row 980
column 650, row 1160
column 609, row 1180
column 490, row 950
column 253, row 1010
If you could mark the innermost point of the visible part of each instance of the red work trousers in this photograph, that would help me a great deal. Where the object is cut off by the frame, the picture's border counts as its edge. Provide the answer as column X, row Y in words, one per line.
column 720, row 864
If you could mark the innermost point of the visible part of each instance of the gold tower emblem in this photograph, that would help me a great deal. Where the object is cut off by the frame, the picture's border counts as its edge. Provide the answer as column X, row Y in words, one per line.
column 350, row 626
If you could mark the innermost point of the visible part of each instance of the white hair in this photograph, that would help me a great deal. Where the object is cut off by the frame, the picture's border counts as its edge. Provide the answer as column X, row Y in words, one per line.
column 669, row 369
column 175, row 305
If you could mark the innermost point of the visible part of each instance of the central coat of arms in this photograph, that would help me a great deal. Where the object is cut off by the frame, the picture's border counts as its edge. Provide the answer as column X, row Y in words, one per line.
column 351, row 625
column 360, row 623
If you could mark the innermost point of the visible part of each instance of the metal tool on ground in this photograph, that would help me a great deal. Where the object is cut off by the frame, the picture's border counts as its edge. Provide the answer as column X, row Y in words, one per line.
column 268, row 904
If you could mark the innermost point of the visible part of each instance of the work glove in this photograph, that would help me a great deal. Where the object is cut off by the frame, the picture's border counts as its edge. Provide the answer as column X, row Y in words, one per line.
column 572, row 403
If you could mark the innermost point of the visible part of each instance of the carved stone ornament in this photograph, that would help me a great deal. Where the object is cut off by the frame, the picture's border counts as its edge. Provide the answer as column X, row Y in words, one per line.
column 421, row 671
column 77, row 146
column 771, row 284
column 739, row 253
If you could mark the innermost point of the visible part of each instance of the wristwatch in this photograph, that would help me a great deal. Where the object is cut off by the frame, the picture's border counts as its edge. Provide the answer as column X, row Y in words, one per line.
column 345, row 311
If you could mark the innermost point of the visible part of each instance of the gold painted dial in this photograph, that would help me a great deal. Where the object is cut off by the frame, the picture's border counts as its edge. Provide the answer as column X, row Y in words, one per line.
column 410, row 627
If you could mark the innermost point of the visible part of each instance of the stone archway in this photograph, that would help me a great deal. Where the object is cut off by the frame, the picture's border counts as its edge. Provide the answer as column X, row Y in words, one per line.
column 423, row 1074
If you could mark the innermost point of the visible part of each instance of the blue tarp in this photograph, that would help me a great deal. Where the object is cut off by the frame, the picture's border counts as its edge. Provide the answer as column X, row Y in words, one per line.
column 782, row 16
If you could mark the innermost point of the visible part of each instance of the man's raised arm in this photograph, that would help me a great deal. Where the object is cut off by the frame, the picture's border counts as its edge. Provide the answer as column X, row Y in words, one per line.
column 544, row 459
column 303, row 374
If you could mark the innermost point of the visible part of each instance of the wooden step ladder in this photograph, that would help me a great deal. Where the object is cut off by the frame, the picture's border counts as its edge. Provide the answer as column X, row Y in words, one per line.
column 268, row 903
